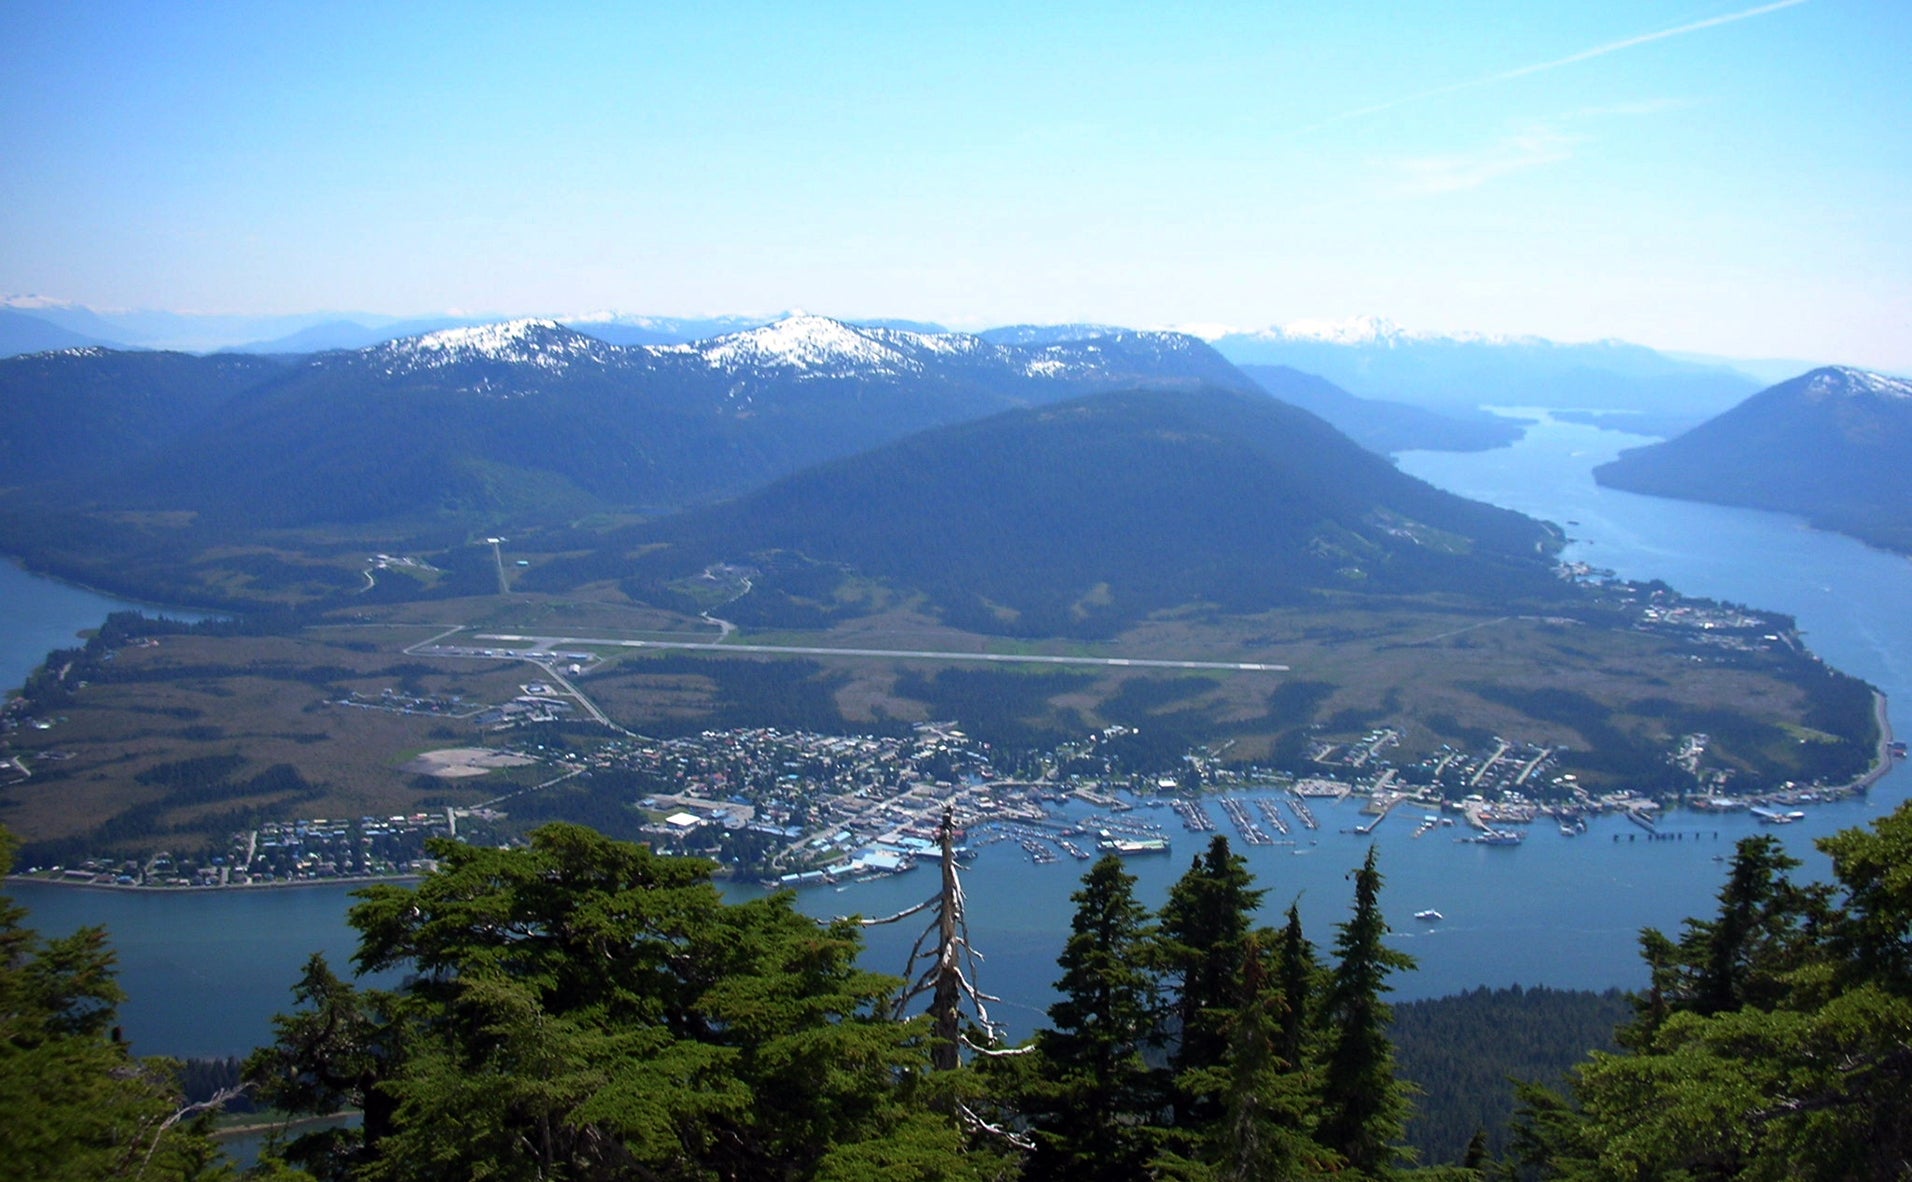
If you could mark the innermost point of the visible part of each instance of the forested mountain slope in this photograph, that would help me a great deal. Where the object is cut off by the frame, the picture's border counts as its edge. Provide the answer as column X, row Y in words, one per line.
column 1833, row 445
column 1077, row 518
column 523, row 419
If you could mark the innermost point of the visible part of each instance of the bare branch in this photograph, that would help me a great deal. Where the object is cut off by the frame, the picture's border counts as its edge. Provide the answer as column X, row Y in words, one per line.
column 904, row 914
column 213, row 1103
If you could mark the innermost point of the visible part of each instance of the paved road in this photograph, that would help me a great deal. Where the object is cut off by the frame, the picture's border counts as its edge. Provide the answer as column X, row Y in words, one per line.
column 498, row 556
column 548, row 642
column 551, row 670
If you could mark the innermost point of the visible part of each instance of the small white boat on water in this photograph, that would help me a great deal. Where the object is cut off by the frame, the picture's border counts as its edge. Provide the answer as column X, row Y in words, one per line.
column 1428, row 916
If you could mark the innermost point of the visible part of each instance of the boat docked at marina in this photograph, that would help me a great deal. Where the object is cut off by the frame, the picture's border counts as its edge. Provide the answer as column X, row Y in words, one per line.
column 1497, row 837
column 1108, row 843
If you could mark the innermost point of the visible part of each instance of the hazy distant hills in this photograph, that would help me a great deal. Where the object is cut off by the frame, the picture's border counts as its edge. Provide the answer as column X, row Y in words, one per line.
column 1080, row 518
column 346, row 334
column 1386, row 427
column 1833, row 445
column 1375, row 359
column 21, row 332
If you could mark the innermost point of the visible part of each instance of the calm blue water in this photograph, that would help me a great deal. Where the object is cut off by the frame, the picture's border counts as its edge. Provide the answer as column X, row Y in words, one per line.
column 206, row 971
column 41, row 615
column 203, row 971
column 1555, row 911
column 1852, row 602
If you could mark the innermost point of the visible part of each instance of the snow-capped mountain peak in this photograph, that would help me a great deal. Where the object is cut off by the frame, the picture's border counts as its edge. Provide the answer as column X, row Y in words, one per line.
column 544, row 344
column 1837, row 380
column 818, row 346
column 800, row 342
column 507, row 340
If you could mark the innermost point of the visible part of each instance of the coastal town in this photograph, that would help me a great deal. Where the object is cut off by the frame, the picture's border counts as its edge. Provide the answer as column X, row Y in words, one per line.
column 794, row 808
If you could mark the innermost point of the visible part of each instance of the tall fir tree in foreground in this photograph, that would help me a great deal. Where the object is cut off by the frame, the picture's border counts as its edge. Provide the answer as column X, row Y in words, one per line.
column 1205, row 945
column 1266, row 1128
column 1297, row 973
column 1364, row 1108
column 1095, row 1107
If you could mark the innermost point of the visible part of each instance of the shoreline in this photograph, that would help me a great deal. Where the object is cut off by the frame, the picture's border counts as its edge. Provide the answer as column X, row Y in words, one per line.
column 117, row 602
column 341, row 880
column 169, row 611
column 255, row 1128
column 1882, row 760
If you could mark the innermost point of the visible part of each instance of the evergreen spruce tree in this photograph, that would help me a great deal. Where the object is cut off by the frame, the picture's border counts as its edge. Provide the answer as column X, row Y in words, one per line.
column 1765, row 929
column 74, row 1102
column 1095, row 1104
column 586, row 1009
column 1804, row 1073
column 331, row 1056
column 1363, row 1107
column 1475, row 1158
column 1265, row 1128
column 1205, row 941
column 1296, row 974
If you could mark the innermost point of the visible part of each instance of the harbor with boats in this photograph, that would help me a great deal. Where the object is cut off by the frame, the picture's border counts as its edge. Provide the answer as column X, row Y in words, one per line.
column 1050, row 826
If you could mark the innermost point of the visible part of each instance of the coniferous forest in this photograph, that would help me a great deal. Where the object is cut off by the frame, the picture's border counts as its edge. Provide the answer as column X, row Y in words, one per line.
column 583, row 1008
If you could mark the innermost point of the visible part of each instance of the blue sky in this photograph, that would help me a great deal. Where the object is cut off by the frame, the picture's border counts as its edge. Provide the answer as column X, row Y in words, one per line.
column 1720, row 177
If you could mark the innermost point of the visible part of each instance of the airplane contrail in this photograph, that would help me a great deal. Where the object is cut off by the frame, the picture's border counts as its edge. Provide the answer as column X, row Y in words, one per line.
column 1541, row 67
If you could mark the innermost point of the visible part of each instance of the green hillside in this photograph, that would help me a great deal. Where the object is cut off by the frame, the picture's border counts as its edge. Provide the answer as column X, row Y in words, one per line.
column 1830, row 446
column 1080, row 518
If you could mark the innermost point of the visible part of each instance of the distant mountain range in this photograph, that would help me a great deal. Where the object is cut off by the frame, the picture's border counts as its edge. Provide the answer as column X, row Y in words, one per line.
column 1081, row 518
column 1373, row 358
column 1386, row 427
column 1367, row 356
column 82, row 416
column 1833, row 445
column 117, row 462
column 109, row 454
column 21, row 333
column 524, row 417
column 531, row 417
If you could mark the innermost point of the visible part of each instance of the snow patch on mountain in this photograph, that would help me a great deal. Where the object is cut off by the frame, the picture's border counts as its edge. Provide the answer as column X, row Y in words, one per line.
column 817, row 346
column 1839, row 380
column 1102, row 355
column 944, row 344
column 799, row 342
column 30, row 300
column 542, row 344
column 1355, row 330
column 687, row 327
column 1205, row 330
column 802, row 347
